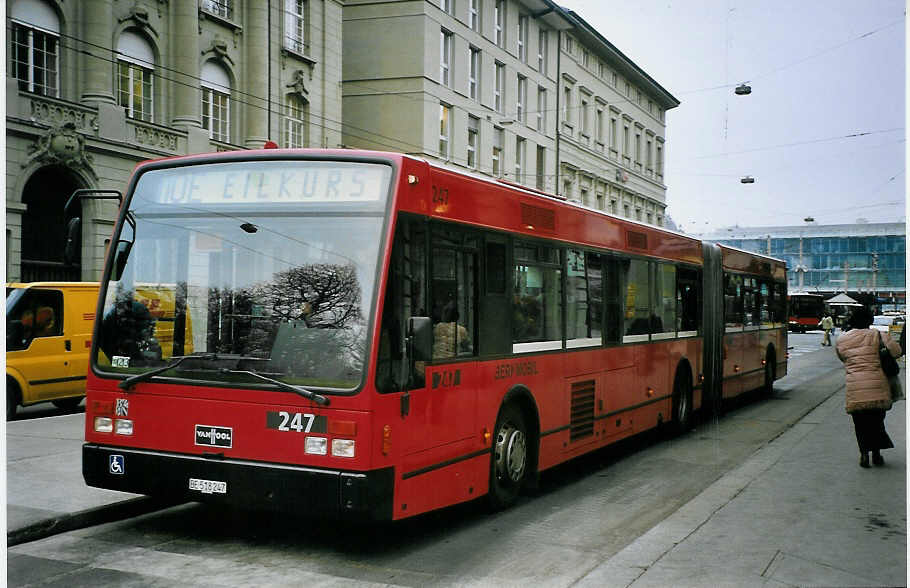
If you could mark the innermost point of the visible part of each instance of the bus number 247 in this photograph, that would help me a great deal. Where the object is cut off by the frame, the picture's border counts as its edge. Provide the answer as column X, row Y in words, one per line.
column 295, row 421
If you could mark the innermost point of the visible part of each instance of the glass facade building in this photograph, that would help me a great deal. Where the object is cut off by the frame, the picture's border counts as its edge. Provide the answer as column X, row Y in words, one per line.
column 863, row 258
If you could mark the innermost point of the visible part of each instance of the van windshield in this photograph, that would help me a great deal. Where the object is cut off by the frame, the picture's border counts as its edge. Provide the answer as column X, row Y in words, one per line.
column 269, row 265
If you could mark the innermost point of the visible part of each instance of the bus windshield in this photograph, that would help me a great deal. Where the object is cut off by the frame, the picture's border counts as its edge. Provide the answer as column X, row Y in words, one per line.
column 268, row 265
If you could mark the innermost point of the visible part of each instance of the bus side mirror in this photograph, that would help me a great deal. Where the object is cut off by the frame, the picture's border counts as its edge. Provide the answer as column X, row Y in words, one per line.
column 121, row 254
column 420, row 338
column 73, row 240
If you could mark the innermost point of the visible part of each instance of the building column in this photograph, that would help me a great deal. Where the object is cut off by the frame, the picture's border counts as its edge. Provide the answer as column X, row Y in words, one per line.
column 256, row 72
column 187, row 99
column 97, row 68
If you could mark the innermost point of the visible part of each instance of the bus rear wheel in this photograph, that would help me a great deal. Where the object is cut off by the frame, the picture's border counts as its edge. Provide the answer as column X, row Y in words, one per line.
column 509, row 462
column 682, row 402
column 770, row 374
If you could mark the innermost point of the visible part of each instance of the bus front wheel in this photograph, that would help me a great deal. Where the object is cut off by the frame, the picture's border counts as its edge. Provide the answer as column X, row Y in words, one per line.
column 509, row 462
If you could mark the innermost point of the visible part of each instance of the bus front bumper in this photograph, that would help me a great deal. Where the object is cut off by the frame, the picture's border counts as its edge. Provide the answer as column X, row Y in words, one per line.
column 248, row 484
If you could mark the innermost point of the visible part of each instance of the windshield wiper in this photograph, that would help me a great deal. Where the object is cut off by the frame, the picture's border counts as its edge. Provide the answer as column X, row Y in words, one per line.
column 177, row 360
column 317, row 398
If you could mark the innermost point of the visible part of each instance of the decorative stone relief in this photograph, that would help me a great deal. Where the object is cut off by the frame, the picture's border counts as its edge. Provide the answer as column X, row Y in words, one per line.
column 54, row 114
column 156, row 138
column 219, row 50
column 298, row 84
column 62, row 145
column 139, row 16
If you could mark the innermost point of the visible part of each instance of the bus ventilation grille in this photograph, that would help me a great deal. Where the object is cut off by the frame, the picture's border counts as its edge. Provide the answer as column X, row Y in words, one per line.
column 538, row 218
column 582, row 424
column 637, row 240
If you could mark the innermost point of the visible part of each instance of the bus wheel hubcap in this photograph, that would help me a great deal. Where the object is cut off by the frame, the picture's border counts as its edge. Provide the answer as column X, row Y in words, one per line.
column 511, row 453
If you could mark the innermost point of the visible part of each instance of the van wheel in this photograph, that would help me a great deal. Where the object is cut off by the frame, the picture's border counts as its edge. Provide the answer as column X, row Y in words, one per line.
column 68, row 403
column 509, row 462
column 682, row 403
column 12, row 400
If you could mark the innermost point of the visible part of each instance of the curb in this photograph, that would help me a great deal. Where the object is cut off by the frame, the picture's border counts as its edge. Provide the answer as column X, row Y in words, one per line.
column 87, row 518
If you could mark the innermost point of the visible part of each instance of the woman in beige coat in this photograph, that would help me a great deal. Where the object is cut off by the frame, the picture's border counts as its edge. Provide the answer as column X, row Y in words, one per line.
column 868, row 394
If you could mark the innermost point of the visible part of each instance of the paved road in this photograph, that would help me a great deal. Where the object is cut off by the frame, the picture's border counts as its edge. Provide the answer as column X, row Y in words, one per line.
column 650, row 513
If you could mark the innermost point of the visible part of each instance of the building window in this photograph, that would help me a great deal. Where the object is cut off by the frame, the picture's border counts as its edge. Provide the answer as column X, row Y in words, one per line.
column 498, row 140
column 625, row 211
column 473, row 133
column 520, row 145
column 612, row 206
column 542, row 39
column 614, row 79
column 445, row 129
column 584, row 57
column 600, row 69
column 474, row 15
column 570, row 45
column 585, row 125
column 499, row 90
column 625, row 141
column 638, row 148
column 445, row 58
column 567, row 104
column 541, row 109
column 660, row 159
column 296, row 112
column 613, row 137
column 541, row 166
column 222, row 8
column 648, row 154
column 522, row 98
column 523, row 38
column 567, row 189
column 216, row 101
column 599, row 126
column 446, row 5
column 499, row 18
column 135, row 68
column 474, row 73
column 294, row 29
column 35, row 45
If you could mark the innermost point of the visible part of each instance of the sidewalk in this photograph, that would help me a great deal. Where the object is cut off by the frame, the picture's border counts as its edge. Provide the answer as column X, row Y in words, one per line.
column 45, row 492
column 799, row 512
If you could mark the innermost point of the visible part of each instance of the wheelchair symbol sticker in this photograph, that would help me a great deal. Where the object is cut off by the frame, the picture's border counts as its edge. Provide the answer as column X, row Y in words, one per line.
column 116, row 464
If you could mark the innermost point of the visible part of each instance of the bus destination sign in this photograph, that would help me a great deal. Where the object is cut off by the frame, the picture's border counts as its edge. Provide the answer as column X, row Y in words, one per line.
column 266, row 182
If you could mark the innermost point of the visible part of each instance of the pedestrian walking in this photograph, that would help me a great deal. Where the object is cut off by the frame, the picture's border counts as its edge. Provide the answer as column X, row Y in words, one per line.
column 868, row 393
column 827, row 324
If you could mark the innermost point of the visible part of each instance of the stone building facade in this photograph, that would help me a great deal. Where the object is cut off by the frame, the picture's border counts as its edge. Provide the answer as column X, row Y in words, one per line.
column 521, row 90
column 612, row 128
column 95, row 86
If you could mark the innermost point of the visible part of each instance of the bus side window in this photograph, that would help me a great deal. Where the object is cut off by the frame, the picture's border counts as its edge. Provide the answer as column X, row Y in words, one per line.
column 733, row 302
column 537, row 298
column 405, row 296
column 454, row 293
column 494, row 325
column 687, row 302
column 637, row 309
column 614, row 296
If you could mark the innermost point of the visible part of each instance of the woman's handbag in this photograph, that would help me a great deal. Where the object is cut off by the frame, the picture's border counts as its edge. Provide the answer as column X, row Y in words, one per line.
column 891, row 369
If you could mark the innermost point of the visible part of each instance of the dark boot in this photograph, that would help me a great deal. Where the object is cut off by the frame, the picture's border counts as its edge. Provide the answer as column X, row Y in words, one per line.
column 877, row 458
column 864, row 460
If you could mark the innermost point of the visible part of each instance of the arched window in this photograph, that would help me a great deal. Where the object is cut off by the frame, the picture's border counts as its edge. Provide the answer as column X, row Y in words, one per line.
column 216, row 101
column 135, row 69
column 296, row 120
column 35, row 47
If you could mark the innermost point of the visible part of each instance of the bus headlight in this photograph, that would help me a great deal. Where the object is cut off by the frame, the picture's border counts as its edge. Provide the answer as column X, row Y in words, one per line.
column 104, row 425
column 315, row 445
column 123, row 427
column 343, row 447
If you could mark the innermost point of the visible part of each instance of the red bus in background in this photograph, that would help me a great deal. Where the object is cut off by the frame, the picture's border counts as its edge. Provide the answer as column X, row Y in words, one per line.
column 805, row 311
column 374, row 336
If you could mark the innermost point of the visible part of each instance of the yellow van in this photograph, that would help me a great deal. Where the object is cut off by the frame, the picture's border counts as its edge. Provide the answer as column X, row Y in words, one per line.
column 48, row 340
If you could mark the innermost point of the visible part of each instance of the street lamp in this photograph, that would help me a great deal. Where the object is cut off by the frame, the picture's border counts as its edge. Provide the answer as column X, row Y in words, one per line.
column 747, row 180
column 743, row 89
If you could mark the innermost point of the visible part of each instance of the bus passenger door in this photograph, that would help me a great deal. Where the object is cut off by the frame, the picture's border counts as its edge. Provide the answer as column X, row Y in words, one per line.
column 444, row 410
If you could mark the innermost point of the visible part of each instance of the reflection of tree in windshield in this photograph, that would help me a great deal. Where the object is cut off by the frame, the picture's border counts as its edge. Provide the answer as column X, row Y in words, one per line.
column 307, row 321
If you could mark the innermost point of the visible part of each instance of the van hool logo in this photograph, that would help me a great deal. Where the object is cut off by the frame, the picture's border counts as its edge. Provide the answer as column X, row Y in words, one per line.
column 213, row 436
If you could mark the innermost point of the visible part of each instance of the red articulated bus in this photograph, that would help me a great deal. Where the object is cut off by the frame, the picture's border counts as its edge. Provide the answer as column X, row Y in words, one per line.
column 367, row 335
column 805, row 311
